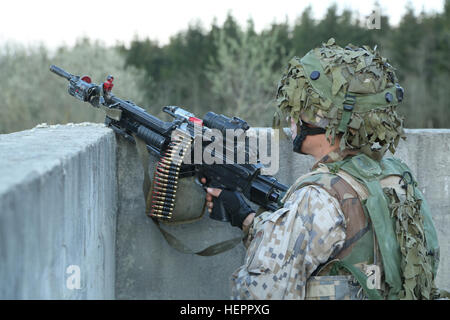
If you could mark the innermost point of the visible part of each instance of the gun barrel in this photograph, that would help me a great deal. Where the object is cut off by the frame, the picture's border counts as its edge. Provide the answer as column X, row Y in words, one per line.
column 60, row 72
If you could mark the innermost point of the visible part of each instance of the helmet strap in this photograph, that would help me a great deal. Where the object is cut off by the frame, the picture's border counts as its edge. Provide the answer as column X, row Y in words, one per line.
column 304, row 132
column 349, row 102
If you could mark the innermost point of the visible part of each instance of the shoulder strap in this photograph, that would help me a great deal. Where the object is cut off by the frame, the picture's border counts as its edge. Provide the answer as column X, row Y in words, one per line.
column 344, row 191
column 368, row 172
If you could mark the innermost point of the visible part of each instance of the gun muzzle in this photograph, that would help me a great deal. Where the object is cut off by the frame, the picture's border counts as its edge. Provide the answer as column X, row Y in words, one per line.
column 60, row 72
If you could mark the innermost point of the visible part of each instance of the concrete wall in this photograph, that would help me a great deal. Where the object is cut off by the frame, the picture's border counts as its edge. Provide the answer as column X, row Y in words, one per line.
column 72, row 195
column 146, row 266
column 57, row 208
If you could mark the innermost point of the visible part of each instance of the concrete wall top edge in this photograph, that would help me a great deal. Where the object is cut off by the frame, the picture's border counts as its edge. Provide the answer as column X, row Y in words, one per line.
column 28, row 154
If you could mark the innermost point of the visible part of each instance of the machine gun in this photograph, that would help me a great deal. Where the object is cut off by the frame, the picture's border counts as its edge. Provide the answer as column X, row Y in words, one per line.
column 172, row 141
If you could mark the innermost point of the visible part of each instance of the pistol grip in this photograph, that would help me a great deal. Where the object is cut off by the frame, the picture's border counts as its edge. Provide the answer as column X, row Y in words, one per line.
column 218, row 211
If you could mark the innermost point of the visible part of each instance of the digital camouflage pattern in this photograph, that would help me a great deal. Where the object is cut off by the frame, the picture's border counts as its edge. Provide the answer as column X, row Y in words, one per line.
column 333, row 288
column 323, row 224
column 286, row 246
column 356, row 222
column 316, row 88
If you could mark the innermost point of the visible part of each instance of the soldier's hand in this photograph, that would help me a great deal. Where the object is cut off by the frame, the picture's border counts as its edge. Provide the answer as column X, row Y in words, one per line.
column 210, row 193
column 241, row 213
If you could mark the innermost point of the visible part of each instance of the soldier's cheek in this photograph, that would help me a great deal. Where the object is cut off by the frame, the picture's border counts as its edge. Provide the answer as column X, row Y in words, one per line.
column 307, row 144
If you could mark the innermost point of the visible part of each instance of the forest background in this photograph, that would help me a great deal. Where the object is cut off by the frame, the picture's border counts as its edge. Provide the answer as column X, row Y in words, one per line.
column 229, row 69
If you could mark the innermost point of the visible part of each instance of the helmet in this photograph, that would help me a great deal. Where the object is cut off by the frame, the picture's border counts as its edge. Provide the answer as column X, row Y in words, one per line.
column 351, row 92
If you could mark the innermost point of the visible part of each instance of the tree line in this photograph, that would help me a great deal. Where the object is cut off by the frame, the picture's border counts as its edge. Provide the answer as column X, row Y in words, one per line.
column 232, row 68
column 228, row 68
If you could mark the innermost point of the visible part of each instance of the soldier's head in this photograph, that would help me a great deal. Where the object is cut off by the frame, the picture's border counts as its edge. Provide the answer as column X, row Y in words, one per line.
column 348, row 95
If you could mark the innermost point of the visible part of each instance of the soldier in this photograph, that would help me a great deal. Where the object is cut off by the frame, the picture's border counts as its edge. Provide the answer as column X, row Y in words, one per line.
column 356, row 226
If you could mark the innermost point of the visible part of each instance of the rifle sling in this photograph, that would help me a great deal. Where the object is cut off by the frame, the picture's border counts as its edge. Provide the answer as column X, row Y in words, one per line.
column 171, row 239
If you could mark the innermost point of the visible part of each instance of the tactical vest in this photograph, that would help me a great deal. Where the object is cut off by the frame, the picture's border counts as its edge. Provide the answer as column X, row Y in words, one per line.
column 389, row 231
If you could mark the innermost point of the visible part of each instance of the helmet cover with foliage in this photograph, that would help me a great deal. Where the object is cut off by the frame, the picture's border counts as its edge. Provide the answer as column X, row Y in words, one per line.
column 350, row 91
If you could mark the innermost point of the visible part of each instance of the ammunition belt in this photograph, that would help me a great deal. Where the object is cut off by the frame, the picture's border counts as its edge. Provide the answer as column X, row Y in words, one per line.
column 165, row 178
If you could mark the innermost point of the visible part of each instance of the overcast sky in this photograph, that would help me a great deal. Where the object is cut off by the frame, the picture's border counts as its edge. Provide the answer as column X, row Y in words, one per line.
column 54, row 22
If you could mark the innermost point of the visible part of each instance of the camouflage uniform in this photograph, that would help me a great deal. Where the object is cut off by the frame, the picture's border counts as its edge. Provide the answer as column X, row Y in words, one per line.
column 286, row 246
column 354, row 224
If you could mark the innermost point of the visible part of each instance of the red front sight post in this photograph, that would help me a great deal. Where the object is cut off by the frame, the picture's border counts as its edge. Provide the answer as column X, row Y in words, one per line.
column 108, row 84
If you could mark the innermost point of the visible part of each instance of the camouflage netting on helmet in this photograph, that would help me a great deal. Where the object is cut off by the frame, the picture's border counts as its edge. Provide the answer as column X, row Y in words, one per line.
column 319, row 85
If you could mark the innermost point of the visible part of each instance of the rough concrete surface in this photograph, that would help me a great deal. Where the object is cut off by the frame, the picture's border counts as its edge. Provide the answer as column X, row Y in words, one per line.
column 146, row 266
column 57, row 209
